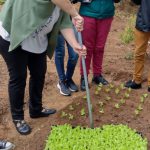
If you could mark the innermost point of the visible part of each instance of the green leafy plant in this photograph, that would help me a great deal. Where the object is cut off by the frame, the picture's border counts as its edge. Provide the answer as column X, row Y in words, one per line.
column 140, row 107
column 71, row 107
column 96, row 92
column 117, row 91
column 101, row 110
column 107, row 90
column 108, row 98
column 71, row 117
column 122, row 101
column 85, row 97
column 137, row 112
column 82, row 112
column 101, row 104
column 142, row 99
column 111, row 85
column 63, row 114
column 126, row 95
column 117, row 106
column 109, row 137
column 122, row 86
column 145, row 95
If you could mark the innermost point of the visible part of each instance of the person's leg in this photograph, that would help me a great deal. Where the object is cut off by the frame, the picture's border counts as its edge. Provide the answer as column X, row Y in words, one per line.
column 141, row 43
column 16, row 62
column 37, row 66
column 72, row 61
column 89, row 40
column 59, row 62
column 102, row 30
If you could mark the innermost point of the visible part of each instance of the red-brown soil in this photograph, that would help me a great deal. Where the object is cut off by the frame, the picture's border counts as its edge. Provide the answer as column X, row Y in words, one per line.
column 116, row 68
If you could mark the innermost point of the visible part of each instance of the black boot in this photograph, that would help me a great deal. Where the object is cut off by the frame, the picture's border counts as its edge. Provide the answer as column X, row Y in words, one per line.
column 82, row 84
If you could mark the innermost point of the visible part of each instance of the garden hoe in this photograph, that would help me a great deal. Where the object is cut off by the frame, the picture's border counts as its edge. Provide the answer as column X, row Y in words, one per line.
column 86, row 84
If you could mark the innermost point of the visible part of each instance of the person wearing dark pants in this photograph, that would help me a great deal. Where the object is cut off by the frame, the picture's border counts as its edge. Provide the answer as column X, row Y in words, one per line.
column 17, row 62
column 25, row 47
column 66, row 85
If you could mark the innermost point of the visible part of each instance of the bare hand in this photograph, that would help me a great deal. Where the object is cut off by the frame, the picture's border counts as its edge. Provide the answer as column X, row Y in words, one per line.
column 78, row 22
column 80, row 50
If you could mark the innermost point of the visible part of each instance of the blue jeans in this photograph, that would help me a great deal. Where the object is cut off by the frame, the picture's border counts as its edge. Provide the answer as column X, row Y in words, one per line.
column 59, row 59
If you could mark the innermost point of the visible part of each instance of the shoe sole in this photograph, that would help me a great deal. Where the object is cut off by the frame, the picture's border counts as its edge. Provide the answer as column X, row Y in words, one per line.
column 58, row 86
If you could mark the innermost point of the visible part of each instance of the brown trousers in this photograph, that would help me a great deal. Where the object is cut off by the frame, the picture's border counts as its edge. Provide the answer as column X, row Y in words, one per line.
column 141, row 43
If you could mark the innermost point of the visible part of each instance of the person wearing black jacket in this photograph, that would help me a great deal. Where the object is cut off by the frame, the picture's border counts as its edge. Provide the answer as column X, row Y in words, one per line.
column 142, row 35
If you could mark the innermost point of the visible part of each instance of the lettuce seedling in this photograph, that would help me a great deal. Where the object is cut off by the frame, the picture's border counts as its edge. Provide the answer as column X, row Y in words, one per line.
column 122, row 86
column 140, row 107
column 137, row 112
column 129, row 89
column 71, row 117
column 82, row 112
column 142, row 99
column 111, row 86
column 117, row 90
column 122, row 101
column 126, row 95
column 85, row 97
column 145, row 95
column 100, row 85
column 71, row 107
column 107, row 90
column 96, row 92
column 117, row 106
column 101, row 104
column 98, row 88
column 108, row 98
column 101, row 110
column 63, row 114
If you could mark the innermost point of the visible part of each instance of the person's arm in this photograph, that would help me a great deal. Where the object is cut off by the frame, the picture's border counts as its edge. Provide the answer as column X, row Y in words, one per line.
column 70, row 38
column 66, row 6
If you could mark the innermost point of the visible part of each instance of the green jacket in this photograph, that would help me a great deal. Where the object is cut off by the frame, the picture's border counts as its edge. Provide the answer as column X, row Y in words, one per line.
column 99, row 9
column 21, row 18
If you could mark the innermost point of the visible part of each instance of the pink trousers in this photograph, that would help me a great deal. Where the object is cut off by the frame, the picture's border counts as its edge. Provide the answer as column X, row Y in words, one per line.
column 94, row 38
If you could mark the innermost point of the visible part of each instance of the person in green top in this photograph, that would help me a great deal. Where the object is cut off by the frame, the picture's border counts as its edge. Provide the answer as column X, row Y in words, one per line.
column 98, row 16
column 28, row 31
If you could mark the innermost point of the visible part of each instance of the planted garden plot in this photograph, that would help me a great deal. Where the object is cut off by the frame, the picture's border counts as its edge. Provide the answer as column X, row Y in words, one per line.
column 114, row 107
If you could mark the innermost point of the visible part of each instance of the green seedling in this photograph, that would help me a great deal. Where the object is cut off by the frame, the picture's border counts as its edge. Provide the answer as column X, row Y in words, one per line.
column 71, row 107
column 145, row 95
column 117, row 90
column 117, row 106
column 100, row 85
column 108, row 98
column 111, row 86
column 142, row 99
column 71, row 117
column 63, row 114
column 98, row 88
column 129, row 89
column 85, row 97
column 122, row 101
column 82, row 112
column 101, row 110
column 126, row 95
column 107, row 90
column 122, row 86
column 137, row 112
column 96, row 92
column 140, row 107
column 101, row 104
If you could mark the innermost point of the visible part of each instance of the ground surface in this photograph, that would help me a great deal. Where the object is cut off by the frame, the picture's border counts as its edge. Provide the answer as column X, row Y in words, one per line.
column 116, row 68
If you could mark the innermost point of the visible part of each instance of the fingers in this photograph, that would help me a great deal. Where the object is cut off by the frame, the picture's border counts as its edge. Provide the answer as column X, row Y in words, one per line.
column 81, row 50
column 78, row 22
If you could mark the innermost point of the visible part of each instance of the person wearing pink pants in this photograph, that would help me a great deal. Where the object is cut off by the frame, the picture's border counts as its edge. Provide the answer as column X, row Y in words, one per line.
column 98, row 16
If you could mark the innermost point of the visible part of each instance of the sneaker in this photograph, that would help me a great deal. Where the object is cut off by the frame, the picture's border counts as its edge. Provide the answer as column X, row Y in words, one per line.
column 5, row 145
column 22, row 127
column 131, row 84
column 100, row 79
column 148, row 89
column 71, row 85
column 64, row 90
